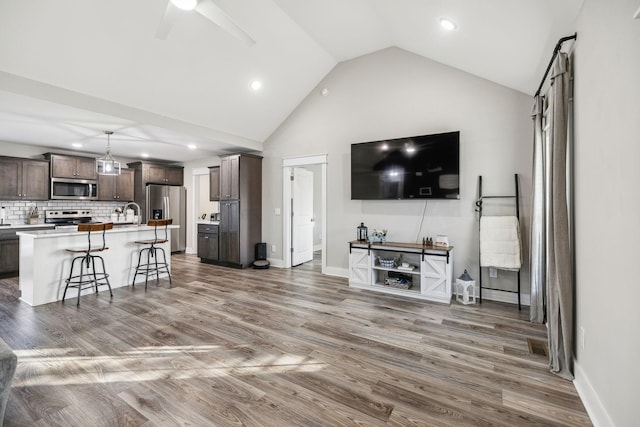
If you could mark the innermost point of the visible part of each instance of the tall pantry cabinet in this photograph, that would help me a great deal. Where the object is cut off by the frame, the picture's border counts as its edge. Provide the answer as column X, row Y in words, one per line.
column 240, row 209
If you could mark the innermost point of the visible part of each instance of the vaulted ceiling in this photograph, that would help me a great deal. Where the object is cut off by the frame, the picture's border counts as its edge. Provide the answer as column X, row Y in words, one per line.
column 71, row 69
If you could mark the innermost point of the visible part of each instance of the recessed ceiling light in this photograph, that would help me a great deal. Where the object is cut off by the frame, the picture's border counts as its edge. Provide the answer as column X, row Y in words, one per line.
column 192, row 146
column 145, row 155
column 256, row 85
column 448, row 24
column 185, row 4
column 77, row 145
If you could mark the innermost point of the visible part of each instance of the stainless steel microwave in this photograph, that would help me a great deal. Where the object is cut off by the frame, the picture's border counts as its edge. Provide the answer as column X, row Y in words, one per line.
column 74, row 189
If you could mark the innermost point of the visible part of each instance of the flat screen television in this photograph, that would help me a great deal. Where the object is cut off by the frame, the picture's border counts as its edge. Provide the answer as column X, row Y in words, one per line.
column 417, row 167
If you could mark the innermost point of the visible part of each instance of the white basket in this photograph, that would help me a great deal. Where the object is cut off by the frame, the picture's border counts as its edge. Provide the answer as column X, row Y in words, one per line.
column 387, row 262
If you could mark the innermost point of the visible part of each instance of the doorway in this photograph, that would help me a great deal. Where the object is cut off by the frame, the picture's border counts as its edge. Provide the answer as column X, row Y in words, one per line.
column 201, row 207
column 303, row 214
column 316, row 164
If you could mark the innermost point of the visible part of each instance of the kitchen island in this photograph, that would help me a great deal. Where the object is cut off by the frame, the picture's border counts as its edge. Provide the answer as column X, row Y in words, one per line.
column 44, row 263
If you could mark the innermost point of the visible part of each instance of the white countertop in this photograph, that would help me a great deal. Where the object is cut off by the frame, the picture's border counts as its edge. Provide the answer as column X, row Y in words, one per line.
column 202, row 221
column 17, row 224
column 40, row 234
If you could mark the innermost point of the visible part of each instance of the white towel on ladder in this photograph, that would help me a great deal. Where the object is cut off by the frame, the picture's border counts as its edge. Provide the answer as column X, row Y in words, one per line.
column 500, row 242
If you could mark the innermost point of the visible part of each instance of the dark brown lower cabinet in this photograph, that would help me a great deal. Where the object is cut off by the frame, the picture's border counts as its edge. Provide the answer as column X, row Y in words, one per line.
column 9, row 256
column 208, row 242
column 10, row 250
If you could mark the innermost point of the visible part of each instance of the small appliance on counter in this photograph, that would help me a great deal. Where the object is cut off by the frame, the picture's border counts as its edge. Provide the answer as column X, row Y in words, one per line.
column 214, row 216
column 124, row 216
column 3, row 216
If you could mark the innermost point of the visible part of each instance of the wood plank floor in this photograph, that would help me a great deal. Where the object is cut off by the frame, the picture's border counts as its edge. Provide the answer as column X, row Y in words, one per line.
column 280, row 348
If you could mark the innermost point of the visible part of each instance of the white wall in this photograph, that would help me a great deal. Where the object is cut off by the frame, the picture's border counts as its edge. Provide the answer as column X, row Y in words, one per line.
column 205, row 206
column 394, row 93
column 607, row 202
column 24, row 150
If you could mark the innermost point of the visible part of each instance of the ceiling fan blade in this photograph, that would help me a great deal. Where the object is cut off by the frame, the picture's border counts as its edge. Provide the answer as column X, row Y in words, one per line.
column 212, row 12
column 169, row 18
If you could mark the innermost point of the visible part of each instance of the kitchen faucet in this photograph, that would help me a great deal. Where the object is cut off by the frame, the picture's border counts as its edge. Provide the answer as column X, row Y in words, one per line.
column 124, row 209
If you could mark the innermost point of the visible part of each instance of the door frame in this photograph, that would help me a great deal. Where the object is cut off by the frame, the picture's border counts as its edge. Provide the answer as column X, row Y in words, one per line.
column 287, row 166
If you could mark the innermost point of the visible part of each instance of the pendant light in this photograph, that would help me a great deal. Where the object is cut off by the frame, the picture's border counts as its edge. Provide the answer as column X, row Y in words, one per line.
column 107, row 165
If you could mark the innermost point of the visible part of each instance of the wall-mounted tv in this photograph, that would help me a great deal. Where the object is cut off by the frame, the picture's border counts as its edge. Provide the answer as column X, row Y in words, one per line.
column 417, row 167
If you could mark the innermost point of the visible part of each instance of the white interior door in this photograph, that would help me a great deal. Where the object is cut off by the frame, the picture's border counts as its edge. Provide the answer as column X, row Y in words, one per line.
column 301, row 216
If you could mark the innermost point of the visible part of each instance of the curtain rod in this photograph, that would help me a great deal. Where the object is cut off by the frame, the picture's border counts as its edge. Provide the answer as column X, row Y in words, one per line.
column 555, row 53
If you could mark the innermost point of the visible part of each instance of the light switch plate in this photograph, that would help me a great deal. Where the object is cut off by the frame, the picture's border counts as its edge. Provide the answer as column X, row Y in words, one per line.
column 277, row 211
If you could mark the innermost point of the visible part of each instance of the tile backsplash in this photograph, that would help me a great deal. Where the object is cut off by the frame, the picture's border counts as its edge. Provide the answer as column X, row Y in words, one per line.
column 18, row 210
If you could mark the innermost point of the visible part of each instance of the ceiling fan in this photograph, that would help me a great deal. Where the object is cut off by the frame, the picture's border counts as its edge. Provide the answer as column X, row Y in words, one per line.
column 206, row 8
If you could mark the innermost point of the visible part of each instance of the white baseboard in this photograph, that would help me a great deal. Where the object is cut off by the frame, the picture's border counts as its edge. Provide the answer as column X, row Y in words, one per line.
column 189, row 251
column 336, row 271
column 329, row 271
column 275, row 262
column 508, row 297
column 596, row 410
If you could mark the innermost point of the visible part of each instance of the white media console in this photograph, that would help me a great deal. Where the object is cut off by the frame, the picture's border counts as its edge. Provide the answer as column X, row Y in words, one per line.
column 379, row 267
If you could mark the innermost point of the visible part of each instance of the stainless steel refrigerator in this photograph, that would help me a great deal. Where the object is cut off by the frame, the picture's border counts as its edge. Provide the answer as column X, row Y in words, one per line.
column 169, row 201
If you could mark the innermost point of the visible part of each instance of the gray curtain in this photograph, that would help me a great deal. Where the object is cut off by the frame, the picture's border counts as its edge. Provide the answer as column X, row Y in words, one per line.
column 552, row 223
column 538, row 251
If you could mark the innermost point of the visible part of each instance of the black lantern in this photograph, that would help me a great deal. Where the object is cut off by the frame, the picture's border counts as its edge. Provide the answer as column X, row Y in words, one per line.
column 362, row 232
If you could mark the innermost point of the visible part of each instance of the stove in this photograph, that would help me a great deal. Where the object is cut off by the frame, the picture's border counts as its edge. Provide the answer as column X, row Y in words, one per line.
column 67, row 218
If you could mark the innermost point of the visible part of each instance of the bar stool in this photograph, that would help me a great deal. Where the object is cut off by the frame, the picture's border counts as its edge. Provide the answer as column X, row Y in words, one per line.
column 89, row 278
column 154, row 267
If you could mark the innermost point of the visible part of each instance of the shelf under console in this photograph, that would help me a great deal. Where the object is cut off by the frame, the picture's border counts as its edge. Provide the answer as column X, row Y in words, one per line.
column 416, row 271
